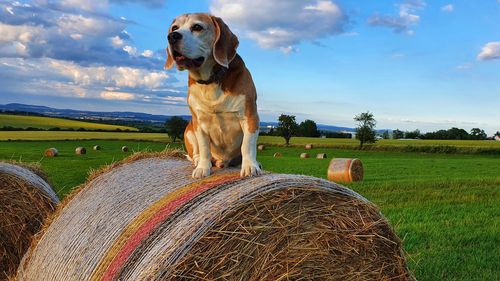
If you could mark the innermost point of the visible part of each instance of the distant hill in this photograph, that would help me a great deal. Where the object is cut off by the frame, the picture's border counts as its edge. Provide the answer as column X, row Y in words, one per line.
column 23, row 122
column 125, row 116
column 87, row 115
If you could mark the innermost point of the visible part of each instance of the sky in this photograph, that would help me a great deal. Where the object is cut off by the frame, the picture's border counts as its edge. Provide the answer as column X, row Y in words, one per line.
column 415, row 64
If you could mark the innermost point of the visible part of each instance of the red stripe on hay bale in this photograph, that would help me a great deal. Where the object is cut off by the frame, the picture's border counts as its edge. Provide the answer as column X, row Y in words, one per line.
column 156, row 218
column 277, row 155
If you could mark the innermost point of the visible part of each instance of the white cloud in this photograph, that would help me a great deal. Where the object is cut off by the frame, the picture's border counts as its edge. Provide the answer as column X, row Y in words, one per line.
column 448, row 8
column 490, row 51
column 117, row 95
column 281, row 24
column 130, row 50
column 147, row 53
column 109, row 76
column 406, row 19
column 117, row 42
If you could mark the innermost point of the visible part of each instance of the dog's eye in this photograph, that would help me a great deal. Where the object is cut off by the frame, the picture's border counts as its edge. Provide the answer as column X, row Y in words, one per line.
column 175, row 27
column 196, row 27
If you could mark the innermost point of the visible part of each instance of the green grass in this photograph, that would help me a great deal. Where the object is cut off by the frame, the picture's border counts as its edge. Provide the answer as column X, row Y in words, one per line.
column 19, row 121
column 444, row 206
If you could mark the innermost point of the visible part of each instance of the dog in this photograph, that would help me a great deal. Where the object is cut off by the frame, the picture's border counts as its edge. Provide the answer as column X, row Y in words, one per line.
column 221, row 95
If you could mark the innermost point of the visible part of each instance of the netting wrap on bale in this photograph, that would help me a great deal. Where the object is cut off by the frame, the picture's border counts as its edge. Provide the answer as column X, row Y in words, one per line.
column 26, row 200
column 147, row 219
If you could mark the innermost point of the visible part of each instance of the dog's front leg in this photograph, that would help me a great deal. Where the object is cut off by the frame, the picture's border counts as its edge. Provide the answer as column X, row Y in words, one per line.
column 204, row 164
column 249, row 165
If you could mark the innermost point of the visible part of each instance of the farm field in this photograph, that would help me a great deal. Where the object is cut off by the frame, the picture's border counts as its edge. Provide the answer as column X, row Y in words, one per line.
column 20, row 121
column 296, row 141
column 444, row 206
column 68, row 135
column 352, row 142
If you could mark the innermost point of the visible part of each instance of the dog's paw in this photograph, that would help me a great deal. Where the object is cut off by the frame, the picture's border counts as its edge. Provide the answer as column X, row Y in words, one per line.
column 201, row 171
column 250, row 169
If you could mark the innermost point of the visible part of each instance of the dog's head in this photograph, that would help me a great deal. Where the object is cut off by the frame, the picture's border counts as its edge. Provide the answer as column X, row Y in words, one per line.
column 198, row 39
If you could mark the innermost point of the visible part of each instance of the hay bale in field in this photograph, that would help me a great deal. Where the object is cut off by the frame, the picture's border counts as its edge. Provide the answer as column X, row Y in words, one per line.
column 125, row 148
column 277, row 155
column 51, row 152
column 304, row 155
column 25, row 201
column 97, row 147
column 321, row 156
column 80, row 151
column 309, row 146
column 261, row 147
column 345, row 170
column 147, row 219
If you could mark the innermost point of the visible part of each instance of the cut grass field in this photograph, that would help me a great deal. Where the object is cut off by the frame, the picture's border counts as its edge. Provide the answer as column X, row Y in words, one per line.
column 444, row 206
column 20, row 121
column 67, row 135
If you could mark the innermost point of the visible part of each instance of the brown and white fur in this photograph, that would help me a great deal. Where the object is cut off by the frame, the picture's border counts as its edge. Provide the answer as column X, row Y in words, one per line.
column 221, row 96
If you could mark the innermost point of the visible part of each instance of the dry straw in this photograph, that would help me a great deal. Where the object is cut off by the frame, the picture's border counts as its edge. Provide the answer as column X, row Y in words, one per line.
column 51, row 152
column 26, row 199
column 80, row 151
column 147, row 219
column 321, row 156
column 345, row 170
column 304, row 155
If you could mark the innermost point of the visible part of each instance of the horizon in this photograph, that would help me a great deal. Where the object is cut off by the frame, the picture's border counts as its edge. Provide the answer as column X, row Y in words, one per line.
column 415, row 64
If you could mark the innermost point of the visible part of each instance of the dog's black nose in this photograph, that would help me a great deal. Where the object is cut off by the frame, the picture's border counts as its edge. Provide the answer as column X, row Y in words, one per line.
column 173, row 37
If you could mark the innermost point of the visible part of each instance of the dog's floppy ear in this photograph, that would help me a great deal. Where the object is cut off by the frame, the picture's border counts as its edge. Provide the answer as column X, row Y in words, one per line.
column 225, row 43
column 170, row 60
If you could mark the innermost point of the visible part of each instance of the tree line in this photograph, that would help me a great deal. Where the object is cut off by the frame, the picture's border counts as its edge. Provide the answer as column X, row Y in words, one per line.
column 450, row 134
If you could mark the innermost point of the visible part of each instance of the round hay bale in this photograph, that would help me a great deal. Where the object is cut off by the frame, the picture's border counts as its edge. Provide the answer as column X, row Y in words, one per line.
column 26, row 199
column 97, row 147
column 125, row 148
column 277, row 155
column 345, row 170
column 321, row 156
column 51, row 152
column 261, row 147
column 147, row 219
column 309, row 146
column 80, row 151
column 304, row 155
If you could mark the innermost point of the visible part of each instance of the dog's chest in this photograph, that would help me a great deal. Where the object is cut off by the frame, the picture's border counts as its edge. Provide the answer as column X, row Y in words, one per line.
column 210, row 99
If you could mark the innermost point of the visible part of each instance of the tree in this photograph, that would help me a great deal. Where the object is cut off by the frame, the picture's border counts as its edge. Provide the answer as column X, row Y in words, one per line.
column 385, row 135
column 287, row 127
column 175, row 127
column 478, row 134
column 413, row 134
column 397, row 134
column 308, row 128
column 365, row 132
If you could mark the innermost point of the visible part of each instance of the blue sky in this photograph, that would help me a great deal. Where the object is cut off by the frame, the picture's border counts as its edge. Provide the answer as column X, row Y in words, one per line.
column 415, row 64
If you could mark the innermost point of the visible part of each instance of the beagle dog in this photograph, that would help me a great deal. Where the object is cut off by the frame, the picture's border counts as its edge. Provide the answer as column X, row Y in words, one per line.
column 221, row 95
